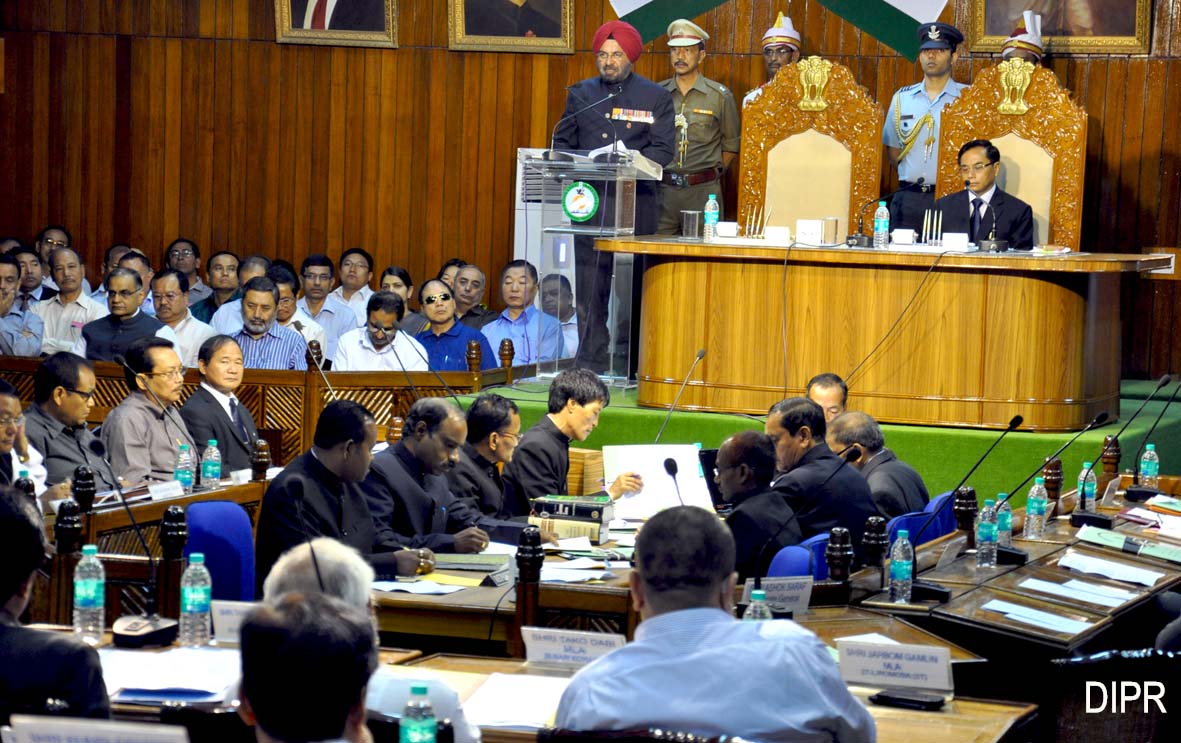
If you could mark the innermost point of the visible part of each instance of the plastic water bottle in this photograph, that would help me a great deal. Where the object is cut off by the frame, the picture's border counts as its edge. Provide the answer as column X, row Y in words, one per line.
column 881, row 227
column 1035, row 509
column 211, row 464
column 185, row 466
column 1087, row 484
column 901, row 568
column 986, row 535
column 89, row 596
column 196, row 591
column 757, row 610
column 418, row 718
column 1004, row 521
column 1150, row 467
column 709, row 228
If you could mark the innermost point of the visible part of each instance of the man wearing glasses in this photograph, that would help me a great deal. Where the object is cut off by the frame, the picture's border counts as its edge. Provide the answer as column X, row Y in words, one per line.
column 107, row 337
column 356, row 271
column 333, row 315
column 49, row 239
column 55, row 424
column 446, row 339
column 170, row 290
column 378, row 346
column 493, row 431
column 184, row 256
column 289, row 315
column 982, row 210
column 144, row 433
column 781, row 45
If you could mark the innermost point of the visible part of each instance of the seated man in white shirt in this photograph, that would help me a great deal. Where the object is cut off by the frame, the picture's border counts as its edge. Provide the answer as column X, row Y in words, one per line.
column 356, row 271
column 66, row 313
column 694, row 668
column 340, row 571
column 15, row 453
column 557, row 300
column 379, row 345
column 289, row 314
column 170, row 293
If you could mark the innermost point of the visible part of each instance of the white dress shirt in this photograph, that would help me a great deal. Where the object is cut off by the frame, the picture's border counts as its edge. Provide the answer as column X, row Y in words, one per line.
column 222, row 399
column 165, row 332
column 227, row 320
column 308, row 328
column 191, row 333
column 35, row 467
column 359, row 303
column 63, row 322
column 355, row 352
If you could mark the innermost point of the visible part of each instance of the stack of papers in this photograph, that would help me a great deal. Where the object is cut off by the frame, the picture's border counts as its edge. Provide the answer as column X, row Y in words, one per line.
column 181, row 674
column 567, row 575
column 419, row 587
column 571, row 544
column 1037, row 618
column 1109, row 569
column 1080, row 590
column 515, row 701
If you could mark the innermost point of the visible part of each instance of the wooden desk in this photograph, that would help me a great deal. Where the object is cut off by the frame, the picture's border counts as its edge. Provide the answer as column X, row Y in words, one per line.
column 961, row 720
column 988, row 335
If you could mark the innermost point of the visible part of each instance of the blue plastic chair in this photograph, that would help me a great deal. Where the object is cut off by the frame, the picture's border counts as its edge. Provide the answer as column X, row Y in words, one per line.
column 945, row 521
column 789, row 561
column 221, row 530
column 912, row 522
column 818, row 544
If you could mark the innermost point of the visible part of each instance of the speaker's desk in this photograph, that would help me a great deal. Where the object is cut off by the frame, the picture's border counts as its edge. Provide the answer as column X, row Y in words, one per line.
column 963, row 339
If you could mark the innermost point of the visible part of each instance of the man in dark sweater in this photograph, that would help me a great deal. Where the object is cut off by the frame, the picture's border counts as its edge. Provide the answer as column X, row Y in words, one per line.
column 761, row 517
column 897, row 487
column 107, row 337
column 493, row 430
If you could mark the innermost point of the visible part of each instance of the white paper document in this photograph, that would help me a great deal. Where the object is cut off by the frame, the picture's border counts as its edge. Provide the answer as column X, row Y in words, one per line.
column 1037, row 618
column 572, row 544
column 1109, row 569
column 419, row 587
column 193, row 674
column 874, row 637
column 515, row 701
column 1078, row 590
column 590, row 563
column 499, row 548
column 660, row 491
column 566, row 575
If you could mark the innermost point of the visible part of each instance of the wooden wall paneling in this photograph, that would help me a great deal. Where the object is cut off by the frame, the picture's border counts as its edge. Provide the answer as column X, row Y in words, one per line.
column 317, row 153
column 339, row 138
column 218, row 199
column 1142, row 192
column 1134, row 139
column 196, row 173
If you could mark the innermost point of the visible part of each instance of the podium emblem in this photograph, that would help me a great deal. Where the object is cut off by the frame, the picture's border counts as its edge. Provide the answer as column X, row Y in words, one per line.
column 580, row 201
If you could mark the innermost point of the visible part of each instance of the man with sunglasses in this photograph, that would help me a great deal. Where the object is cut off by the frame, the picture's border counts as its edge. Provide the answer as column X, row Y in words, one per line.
column 379, row 346
column 446, row 338
column 107, row 337
column 63, row 396
column 143, row 434
column 781, row 45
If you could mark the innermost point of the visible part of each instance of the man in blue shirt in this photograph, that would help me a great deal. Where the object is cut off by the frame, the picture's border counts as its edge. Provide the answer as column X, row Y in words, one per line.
column 692, row 664
column 445, row 339
column 911, row 130
column 266, row 344
column 536, row 337
column 336, row 317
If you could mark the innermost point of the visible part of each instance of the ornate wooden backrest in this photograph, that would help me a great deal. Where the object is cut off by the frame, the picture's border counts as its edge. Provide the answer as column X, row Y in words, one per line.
column 818, row 98
column 1025, row 110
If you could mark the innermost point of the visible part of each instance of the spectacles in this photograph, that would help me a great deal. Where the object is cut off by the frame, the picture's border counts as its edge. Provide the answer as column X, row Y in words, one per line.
column 719, row 470
column 444, row 297
column 977, row 168
column 383, row 330
column 167, row 297
column 182, row 253
column 355, row 264
column 174, row 373
column 613, row 56
column 287, row 300
column 84, row 395
column 14, row 422
column 124, row 293
column 778, row 51
column 55, row 243
column 513, row 436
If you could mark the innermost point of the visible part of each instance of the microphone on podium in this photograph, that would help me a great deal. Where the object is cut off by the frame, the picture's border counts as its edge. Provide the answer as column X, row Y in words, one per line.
column 670, row 466
column 696, row 360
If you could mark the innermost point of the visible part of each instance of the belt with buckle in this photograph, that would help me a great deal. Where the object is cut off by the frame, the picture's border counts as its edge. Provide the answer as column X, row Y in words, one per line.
column 685, row 180
column 916, row 187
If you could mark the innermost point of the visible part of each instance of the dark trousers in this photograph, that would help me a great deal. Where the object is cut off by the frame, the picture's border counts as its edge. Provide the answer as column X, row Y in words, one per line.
column 593, row 279
column 907, row 209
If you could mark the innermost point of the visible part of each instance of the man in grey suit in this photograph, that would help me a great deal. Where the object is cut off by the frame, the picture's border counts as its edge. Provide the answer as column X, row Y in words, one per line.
column 213, row 412
column 896, row 487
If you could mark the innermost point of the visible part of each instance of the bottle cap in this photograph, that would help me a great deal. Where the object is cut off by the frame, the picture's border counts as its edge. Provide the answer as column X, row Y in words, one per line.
column 881, row 203
column 25, row 473
column 903, row 534
column 211, row 442
column 1150, row 447
column 1001, row 496
column 712, row 196
column 183, row 447
column 989, row 503
column 90, row 550
column 197, row 558
column 759, row 595
column 1087, row 465
column 1039, row 481
column 418, row 689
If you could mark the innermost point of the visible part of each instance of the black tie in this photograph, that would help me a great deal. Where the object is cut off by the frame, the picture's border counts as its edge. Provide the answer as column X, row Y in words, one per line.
column 6, row 469
column 977, row 203
column 236, row 417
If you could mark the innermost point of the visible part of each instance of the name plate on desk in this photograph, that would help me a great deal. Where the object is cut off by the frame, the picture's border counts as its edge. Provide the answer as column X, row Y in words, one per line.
column 787, row 594
column 166, row 490
column 27, row 729
column 227, row 619
column 904, row 666
column 567, row 648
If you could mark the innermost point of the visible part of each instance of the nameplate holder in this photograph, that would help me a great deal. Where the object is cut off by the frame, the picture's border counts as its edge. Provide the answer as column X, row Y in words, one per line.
column 955, row 241
column 896, row 666
column 567, row 648
column 810, row 231
column 241, row 477
column 952, row 551
column 783, row 594
column 227, row 619
column 30, row 728
column 166, row 490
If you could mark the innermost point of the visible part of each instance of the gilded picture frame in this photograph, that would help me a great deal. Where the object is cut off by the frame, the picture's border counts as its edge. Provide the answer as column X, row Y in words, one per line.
column 540, row 26
column 372, row 23
column 1068, row 26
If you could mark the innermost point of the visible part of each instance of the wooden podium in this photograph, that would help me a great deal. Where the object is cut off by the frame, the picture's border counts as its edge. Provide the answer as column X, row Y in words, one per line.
column 958, row 339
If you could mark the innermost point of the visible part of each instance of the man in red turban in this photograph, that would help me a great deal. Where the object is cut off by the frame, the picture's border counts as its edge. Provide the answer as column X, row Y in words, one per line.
column 616, row 106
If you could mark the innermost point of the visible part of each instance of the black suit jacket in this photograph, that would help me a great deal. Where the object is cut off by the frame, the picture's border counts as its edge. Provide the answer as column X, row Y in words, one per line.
column 207, row 419
column 350, row 15
column 755, row 520
column 895, row 485
column 36, row 665
column 476, row 482
column 1014, row 218
column 821, row 502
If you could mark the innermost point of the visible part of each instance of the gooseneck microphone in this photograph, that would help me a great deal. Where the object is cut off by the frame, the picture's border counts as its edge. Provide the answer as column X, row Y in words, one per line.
column 1098, row 420
column 670, row 466
column 1135, row 492
column 327, row 384
column 1161, row 383
column 136, row 631
column 696, row 360
column 551, row 155
column 849, row 454
column 1014, row 422
column 862, row 240
column 307, row 538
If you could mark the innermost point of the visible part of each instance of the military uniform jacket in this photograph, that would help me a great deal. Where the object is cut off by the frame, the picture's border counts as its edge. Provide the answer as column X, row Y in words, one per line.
column 706, row 124
column 909, row 108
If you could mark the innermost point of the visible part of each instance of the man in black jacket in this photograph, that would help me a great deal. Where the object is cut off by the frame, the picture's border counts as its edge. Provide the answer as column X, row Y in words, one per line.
column 983, row 210
column 818, row 485
column 896, row 487
column 761, row 517
column 493, row 430
column 407, row 487
column 38, row 669
column 213, row 412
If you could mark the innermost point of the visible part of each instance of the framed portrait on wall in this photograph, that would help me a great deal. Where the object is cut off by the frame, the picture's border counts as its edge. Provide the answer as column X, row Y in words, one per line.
column 545, row 26
column 337, row 22
column 1068, row 26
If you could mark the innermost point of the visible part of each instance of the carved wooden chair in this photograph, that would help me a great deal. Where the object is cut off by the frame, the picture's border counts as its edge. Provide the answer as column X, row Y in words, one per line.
column 1042, row 136
column 811, row 148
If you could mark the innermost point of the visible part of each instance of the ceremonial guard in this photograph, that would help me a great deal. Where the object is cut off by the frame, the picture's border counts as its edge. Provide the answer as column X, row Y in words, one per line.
column 781, row 45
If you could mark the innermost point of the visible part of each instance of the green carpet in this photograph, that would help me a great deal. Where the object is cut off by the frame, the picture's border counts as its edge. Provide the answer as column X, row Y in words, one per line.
column 941, row 455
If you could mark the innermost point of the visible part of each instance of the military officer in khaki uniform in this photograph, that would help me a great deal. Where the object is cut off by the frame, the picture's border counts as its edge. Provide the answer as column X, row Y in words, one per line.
column 707, row 132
